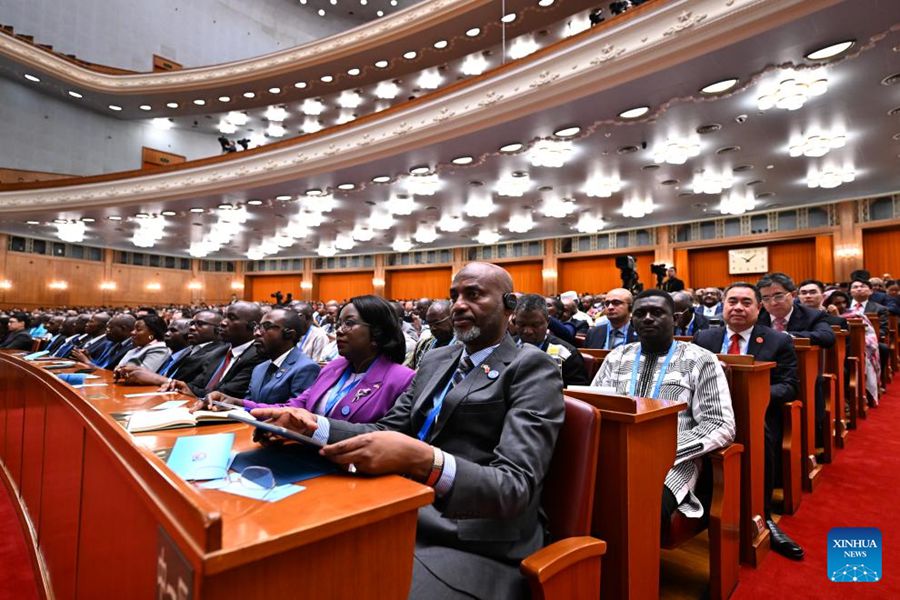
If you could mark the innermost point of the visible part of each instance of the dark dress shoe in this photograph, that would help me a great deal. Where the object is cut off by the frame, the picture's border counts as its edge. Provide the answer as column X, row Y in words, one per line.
column 782, row 544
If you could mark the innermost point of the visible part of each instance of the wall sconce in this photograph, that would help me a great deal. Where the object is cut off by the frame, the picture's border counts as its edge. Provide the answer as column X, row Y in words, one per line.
column 378, row 282
column 5, row 284
column 154, row 286
column 107, row 285
column 848, row 252
column 58, row 285
column 548, row 273
column 195, row 285
column 237, row 285
column 306, row 285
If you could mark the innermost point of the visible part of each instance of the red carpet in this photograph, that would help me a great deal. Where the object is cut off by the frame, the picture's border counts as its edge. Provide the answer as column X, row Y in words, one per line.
column 16, row 572
column 859, row 489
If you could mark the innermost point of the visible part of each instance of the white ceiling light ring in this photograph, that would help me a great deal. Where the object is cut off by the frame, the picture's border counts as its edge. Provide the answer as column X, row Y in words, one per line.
column 719, row 87
column 830, row 51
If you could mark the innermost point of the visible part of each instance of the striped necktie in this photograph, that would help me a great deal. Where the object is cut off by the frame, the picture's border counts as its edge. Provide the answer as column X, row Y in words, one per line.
column 465, row 365
column 214, row 380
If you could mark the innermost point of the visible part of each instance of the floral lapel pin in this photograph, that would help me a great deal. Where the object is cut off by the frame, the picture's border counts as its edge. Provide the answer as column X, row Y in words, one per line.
column 361, row 393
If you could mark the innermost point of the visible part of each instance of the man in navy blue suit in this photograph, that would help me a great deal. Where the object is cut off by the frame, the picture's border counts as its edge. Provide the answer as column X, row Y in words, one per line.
column 687, row 322
column 617, row 330
column 743, row 334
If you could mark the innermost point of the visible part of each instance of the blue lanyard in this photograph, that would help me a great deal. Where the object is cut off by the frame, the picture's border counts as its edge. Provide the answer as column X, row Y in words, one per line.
column 340, row 390
column 436, row 409
column 305, row 335
column 609, row 327
column 690, row 329
column 662, row 371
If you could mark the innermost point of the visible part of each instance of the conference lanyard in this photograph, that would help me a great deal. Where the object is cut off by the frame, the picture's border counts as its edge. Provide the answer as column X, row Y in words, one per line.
column 305, row 335
column 436, row 409
column 340, row 390
column 662, row 371
column 609, row 328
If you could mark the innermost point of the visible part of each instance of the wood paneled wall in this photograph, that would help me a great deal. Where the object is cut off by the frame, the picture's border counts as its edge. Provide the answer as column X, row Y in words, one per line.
column 526, row 276
column 342, row 286
column 598, row 274
column 418, row 283
column 881, row 251
column 797, row 258
column 259, row 288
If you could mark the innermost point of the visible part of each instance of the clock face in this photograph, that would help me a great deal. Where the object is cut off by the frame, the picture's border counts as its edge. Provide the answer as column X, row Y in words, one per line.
column 748, row 260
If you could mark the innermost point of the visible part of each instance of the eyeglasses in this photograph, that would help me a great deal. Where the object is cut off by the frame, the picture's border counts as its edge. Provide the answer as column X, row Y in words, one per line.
column 266, row 326
column 774, row 298
column 198, row 324
column 348, row 325
column 438, row 322
column 613, row 303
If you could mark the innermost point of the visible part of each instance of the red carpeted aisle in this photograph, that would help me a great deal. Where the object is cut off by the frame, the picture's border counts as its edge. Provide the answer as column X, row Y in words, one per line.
column 16, row 575
column 861, row 488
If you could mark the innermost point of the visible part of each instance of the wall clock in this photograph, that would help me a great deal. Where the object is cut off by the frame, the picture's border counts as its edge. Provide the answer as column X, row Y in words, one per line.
column 748, row 260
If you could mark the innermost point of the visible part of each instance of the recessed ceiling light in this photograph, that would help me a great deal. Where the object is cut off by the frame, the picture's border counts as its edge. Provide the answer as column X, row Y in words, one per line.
column 274, row 90
column 709, row 128
column 114, row 218
column 321, row 12
column 249, row 94
column 87, row 219
column 75, row 94
column 254, row 202
column 141, row 215
column 198, row 210
column 420, row 170
column 168, row 213
column 567, row 131
column 546, row 3
column 830, row 51
column 33, row 78
column 224, row 98
column 199, row 102
column 145, row 107
column 300, row 85
column 353, row 72
column 728, row 149
column 283, row 198
column 379, row 13
column 115, row 107
column 225, row 206
column 634, row 113
column 314, row 192
column 719, row 86
column 462, row 160
column 410, row 55
column 326, row 78
column 440, row 44
column 514, row 147
column 508, row 18
column 346, row 186
column 32, row 222
column 381, row 179
column 473, row 32
column 60, row 221
column 627, row 149
column 172, row 104
column 381, row 64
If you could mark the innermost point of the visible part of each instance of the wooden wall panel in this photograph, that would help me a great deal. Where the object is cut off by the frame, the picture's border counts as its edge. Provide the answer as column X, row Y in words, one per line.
column 131, row 286
column 526, row 276
column 30, row 274
column 709, row 266
column 342, row 286
column 217, row 287
column 598, row 274
column 261, row 287
column 408, row 284
column 881, row 251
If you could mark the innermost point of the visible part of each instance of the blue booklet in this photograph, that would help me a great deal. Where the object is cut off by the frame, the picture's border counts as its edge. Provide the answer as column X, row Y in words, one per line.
column 289, row 463
column 35, row 355
column 197, row 457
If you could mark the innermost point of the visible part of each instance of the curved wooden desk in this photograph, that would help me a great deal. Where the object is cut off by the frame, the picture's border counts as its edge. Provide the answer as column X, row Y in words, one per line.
column 108, row 519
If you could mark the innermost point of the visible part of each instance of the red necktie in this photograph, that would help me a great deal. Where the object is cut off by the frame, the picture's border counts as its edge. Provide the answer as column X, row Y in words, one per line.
column 735, row 346
column 214, row 381
column 779, row 324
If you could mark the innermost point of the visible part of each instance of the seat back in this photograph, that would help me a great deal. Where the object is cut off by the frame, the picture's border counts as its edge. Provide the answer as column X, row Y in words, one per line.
column 591, row 365
column 568, row 496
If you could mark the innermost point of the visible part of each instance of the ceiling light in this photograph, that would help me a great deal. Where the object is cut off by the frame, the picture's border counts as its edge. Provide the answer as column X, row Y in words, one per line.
column 33, row 78
column 550, row 153
column 199, row 102
column 353, row 72
column 349, row 99
column 473, row 32
column 255, row 254
column 171, row 104
column 830, row 51
column 522, row 46
column 420, row 170
column 162, row 123
column 514, row 147
column 440, row 44
column 637, row 208
column 508, row 18
column 275, row 130
column 283, row 198
column 326, row 78
column 387, row 90
column 474, row 64
column 712, row 182
column 345, row 117
column 545, row 3
column 115, row 107
column 401, row 244
column 379, row 13
column 478, row 205
column 486, row 237
column 321, row 12
column 319, row 204
column 326, row 249
column 600, row 186
column 361, row 233
column 274, row 90
column 168, row 213
column 249, row 95
column 346, row 186
column 75, row 94
column 520, row 223
column 567, row 131
column 817, row 143
column 224, row 98
column 830, row 176
column 149, row 231
column 227, row 127
column 511, row 186
column 312, row 192
column 430, row 79
column 589, row 223
column 462, row 160
column 32, row 222
column 400, row 205
column 145, row 107
column 312, row 107
column 410, row 55
column 254, row 202
column 676, row 151
column 423, row 185
column 381, row 178
column 719, row 86
column 634, row 113
column 451, row 223
column 237, row 118
column 576, row 25
column 344, row 241
column 426, row 233
column 381, row 64
column 556, row 207
column 311, row 126
column 791, row 89
column 381, row 220
column 276, row 114
column 737, row 203
column 300, row 85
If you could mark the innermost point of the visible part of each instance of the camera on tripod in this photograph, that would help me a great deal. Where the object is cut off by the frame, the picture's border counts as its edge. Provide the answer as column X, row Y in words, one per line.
column 630, row 279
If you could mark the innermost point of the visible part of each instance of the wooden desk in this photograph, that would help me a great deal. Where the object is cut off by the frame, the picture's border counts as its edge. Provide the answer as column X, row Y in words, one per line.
column 638, row 439
column 808, row 361
column 750, row 394
column 108, row 519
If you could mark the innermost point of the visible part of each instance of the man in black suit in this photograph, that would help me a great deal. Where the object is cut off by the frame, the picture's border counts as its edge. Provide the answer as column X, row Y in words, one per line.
column 687, row 322
column 96, row 342
column 672, row 283
column 781, row 314
column 618, row 329
column 231, row 374
column 54, row 330
column 811, row 294
column 861, row 292
column 531, row 321
column 743, row 334
column 18, row 337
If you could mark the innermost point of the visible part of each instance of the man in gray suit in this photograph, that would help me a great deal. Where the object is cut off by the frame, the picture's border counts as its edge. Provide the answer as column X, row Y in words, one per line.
column 479, row 424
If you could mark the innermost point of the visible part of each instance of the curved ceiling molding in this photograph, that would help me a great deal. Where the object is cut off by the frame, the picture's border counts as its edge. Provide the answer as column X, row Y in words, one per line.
column 678, row 31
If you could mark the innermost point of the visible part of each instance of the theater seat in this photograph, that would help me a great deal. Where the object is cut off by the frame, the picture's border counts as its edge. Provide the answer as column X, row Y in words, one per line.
column 591, row 365
column 570, row 566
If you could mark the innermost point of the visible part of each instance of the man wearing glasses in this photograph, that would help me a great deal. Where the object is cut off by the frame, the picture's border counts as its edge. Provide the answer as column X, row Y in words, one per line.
column 782, row 314
column 617, row 330
column 437, row 317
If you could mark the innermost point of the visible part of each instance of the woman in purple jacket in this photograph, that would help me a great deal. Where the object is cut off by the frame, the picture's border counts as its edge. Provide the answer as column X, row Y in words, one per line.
column 368, row 376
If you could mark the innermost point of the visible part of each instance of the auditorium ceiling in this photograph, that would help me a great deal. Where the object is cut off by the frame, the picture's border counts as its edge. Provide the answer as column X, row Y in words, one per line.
column 791, row 131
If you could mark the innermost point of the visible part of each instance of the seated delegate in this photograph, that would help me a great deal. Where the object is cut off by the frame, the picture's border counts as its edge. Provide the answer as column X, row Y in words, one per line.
column 149, row 350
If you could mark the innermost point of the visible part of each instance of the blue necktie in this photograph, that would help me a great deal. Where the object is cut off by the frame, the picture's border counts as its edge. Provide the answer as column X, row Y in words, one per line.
column 617, row 338
column 103, row 360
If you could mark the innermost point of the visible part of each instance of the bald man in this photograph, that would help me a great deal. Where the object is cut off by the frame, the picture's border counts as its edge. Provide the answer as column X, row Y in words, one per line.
column 478, row 423
column 687, row 322
column 617, row 330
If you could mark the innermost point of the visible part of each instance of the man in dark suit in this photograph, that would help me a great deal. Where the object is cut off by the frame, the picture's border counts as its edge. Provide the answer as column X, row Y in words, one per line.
column 617, row 330
column 54, row 330
column 781, row 314
column 861, row 292
column 743, row 334
column 672, row 283
column 118, row 332
column 231, row 374
column 18, row 337
column 96, row 342
column 75, row 325
column 531, row 321
column 811, row 294
column 687, row 322
column 478, row 423
column 710, row 303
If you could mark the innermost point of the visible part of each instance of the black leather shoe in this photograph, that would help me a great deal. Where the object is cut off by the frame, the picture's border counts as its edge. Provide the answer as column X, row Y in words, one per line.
column 782, row 544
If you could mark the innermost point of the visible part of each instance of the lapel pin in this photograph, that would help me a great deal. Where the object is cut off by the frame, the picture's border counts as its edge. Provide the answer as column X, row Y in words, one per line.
column 486, row 369
column 493, row 374
column 345, row 410
column 759, row 340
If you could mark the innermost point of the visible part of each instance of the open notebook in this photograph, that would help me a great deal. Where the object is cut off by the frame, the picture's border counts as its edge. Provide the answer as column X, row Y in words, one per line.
column 172, row 418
